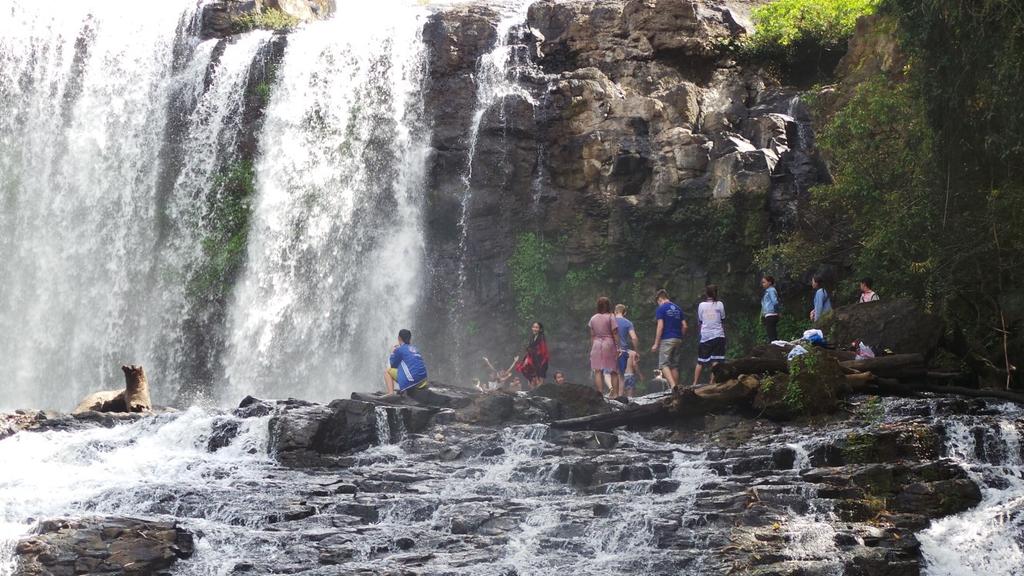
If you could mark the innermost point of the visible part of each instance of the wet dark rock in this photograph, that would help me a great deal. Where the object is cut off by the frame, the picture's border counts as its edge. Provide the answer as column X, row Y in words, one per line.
column 111, row 546
column 487, row 409
column 440, row 396
column 573, row 400
column 224, row 431
column 251, row 407
column 303, row 435
column 582, row 439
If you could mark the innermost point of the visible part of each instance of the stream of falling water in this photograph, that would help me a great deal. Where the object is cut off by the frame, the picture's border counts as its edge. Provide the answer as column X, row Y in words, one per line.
column 335, row 249
column 84, row 91
column 119, row 129
column 989, row 538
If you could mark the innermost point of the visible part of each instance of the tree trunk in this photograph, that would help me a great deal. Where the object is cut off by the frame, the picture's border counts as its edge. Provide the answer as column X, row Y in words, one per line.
column 906, row 366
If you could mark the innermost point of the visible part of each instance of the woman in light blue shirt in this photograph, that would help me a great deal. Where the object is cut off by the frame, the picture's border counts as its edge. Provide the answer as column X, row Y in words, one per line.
column 822, row 301
column 770, row 308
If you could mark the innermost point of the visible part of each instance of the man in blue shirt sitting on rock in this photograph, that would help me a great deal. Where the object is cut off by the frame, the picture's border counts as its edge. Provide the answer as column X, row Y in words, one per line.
column 407, row 367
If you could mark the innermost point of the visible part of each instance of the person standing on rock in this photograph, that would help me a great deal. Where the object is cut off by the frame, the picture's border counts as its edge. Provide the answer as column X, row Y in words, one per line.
column 408, row 370
column 628, row 339
column 604, row 339
column 534, row 366
column 770, row 308
column 822, row 301
column 668, row 336
column 710, row 317
column 867, row 293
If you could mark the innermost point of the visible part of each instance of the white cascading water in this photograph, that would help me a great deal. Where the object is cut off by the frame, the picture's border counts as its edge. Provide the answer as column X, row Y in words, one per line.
column 335, row 248
column 162, row 467
column 143, row 469
column 84, row 89
column 986, row 539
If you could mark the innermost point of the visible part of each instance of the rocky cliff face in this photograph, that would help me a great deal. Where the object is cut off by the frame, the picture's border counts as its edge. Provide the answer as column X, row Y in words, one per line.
column 636, row 155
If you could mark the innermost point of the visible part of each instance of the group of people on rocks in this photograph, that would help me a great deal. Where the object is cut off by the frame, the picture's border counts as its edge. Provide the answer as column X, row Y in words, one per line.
column 615, row 345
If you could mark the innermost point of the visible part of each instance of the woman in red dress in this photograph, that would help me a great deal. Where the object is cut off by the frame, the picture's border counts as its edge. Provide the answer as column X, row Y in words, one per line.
column 534, row 366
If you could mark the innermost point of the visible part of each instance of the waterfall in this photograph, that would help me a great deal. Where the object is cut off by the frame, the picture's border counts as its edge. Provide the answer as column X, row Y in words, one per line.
column 334, row 253
column 987, row 538
column 202, row 208
column 85, row 88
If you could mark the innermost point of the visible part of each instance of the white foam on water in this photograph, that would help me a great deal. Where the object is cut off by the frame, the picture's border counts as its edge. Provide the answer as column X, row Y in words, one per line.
column 987, row 538
column 145, row 469
column 802, row 459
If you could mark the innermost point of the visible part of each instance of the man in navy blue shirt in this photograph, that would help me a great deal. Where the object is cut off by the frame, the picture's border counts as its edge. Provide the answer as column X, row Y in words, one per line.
column 407, row 367
column 671, row 329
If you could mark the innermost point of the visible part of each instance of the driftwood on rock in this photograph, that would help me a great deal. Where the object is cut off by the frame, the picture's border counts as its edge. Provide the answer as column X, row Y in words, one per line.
column 904, row 366
column 683, row 403
column 134, row 397
column 765, row 396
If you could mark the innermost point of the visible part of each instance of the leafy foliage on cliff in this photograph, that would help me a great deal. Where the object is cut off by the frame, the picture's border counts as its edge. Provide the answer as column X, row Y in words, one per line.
column 970, row 67
column 228, row 222
column 880, row 213
column 928, row 196
column 804, row 39
column 265, row 19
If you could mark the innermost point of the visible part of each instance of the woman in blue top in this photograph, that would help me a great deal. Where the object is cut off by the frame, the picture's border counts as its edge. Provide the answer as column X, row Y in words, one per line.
column 822, row 301
column 770, row 308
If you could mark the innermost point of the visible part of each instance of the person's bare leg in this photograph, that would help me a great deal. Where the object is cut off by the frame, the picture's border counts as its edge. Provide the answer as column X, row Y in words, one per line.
column 712, row 381
column 389, row 382
column 670, row 376
column 696, row 374
column 616, row 385
column 599, row 381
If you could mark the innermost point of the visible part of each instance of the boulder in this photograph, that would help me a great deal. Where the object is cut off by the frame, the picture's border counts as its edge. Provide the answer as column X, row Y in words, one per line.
column 747, row 172
column 308, row 435
column 574, row 400
column 487, row 409
column 110, row 546
column 900, row 325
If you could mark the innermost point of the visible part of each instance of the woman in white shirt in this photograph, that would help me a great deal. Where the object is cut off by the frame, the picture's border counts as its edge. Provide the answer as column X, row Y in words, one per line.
column 710, row 316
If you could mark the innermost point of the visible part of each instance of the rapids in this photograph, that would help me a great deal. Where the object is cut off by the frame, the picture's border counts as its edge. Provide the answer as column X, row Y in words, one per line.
column 521, row 499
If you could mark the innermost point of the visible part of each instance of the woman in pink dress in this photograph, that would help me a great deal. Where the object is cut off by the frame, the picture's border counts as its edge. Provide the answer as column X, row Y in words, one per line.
column 604, row 353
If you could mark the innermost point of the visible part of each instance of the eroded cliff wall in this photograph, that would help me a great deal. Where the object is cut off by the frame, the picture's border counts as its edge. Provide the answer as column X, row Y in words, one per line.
column 638, row 156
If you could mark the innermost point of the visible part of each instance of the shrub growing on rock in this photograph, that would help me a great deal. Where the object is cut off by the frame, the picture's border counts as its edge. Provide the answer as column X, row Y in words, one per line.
column 803, row 40
column 266, row 19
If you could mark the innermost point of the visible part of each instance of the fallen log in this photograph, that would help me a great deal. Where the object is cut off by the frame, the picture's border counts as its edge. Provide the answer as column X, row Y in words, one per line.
column 904, row 366
column 646, row 414
column 745, row 392
column 682, row 403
